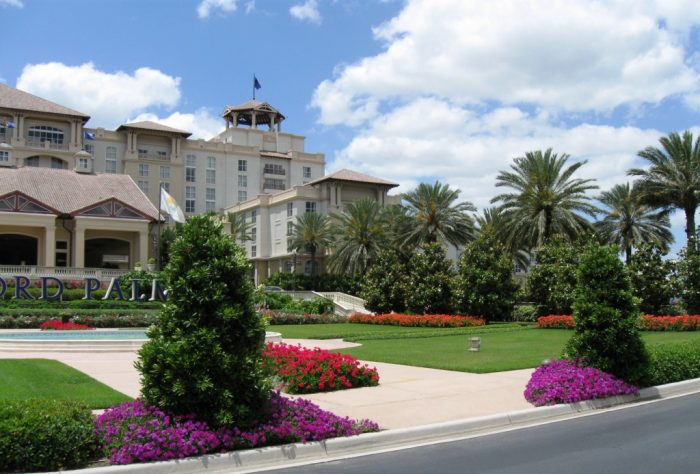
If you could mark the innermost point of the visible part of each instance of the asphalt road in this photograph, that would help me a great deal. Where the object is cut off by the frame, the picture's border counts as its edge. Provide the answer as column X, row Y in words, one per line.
column 660, row 437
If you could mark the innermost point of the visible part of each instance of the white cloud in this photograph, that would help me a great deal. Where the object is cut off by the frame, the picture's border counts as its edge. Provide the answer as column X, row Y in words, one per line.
column 12, row 3
column 249, row 6
column 307, row 11
column 207, row 7
column 202, row 123
column 577, row 55
column 109, row 98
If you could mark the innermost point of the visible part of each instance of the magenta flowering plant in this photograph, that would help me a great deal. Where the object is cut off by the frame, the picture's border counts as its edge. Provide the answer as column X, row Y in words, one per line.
column 133, row 432
column 566, row 381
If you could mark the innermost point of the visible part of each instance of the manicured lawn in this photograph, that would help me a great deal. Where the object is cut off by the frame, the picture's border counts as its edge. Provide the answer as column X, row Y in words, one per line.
column 21, row 379
column 503, row 347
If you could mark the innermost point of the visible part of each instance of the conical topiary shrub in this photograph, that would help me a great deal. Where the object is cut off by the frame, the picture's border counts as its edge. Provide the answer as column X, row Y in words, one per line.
column 203, row 356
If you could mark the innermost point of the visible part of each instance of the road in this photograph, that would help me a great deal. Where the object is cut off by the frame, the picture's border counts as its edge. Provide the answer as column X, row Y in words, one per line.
column 660, row 437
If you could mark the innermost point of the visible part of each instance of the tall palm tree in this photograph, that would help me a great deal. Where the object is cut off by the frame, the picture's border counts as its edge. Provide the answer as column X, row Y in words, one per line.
column 396, row 225
column 672, row 180
column 546, row 200
column 310, row 233
column 437, row 216
column 628, row 222
column 358, row 237
column 240, row 227
column 492, row 222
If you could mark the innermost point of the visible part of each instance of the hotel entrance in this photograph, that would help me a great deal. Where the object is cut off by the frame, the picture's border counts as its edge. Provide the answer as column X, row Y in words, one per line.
column 17, row 249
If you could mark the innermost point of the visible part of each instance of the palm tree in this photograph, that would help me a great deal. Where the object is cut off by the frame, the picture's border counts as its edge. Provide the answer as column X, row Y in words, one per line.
column 546, row 201
column 493, row 222
column 396, row 225
column 437, row 217
column 310, row 233
column 628, row 222
column 358, row 237
column 240, row 227
column 673, row 179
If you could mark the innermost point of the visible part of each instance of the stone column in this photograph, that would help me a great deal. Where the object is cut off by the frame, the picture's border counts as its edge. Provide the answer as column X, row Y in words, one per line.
column 50, row 245
column 143, row 247
column 79, row 246
column 254, row 119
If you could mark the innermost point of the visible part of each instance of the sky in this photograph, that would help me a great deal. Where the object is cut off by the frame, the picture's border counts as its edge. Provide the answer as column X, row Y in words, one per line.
column 411, row 91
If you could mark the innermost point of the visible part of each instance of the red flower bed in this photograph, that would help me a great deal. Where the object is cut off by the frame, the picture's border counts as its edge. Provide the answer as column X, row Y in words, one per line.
column 670, row 323
column 412, row 320
column 58, row 325
column 556, row 321
column 316, row 370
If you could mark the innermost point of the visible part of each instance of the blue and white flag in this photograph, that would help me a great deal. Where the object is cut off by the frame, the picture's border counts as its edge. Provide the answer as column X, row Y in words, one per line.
column 256, row 83
column 169, row 206
column 9, row 124
column 89, row 135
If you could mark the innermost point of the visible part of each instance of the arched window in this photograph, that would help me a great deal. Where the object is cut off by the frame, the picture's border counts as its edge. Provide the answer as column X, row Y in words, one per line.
column 311, row 268
column 45, row 133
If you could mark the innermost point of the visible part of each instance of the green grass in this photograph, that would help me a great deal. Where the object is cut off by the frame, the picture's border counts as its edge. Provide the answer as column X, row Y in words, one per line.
column 21, row 379
column 503, row 347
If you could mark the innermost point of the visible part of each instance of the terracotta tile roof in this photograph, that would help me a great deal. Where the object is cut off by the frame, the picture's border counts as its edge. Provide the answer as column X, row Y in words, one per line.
column 158, row 127
column 349, row 175
column 68, row 191
column 11, row 98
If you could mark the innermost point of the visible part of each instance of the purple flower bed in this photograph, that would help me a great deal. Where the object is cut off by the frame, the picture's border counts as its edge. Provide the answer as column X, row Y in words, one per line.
column 565, row 381
column 133, row 432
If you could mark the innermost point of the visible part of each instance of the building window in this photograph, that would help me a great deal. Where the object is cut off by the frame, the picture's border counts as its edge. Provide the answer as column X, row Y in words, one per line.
column 165, row 186
column 253, row 250
column 290, row 228
column 274, row 169
column 143, row 170
column 242, row 165
column 161, row 155
column 242, row 181
column 254, row 234
column 310, row 206
column 290, row 209
column 307, row 171
column 5, row 156
column 32, row 161
column 143, row 185
column 310, row 268
column 277, row 184
column 210, row 200
column 110, row 159
column 242, row 196
column 190, row 170
column 190, row 197
column 191, row 160
column 289, row 246
column 90, row 148
column 254, row 216
column 82, row 162
column 61, row 253
column 165, row 172
column 44, row 133
column 211, row 162
column 59, row 164
column 211, row 176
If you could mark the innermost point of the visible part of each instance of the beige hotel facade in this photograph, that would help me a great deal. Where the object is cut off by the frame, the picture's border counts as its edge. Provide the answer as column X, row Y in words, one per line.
column 77, row 196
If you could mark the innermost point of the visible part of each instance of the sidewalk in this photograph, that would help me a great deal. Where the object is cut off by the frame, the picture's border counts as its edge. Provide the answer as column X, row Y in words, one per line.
column 406, row 396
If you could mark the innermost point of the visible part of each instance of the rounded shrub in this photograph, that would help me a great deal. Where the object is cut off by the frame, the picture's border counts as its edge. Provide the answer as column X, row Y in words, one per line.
column 430, row 281
column 45, row 435
column 606, row 316
column 204, row 352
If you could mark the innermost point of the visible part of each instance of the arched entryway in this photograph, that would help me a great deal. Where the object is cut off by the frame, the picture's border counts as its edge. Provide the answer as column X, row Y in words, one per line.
column 107, row 253
column 18, row 249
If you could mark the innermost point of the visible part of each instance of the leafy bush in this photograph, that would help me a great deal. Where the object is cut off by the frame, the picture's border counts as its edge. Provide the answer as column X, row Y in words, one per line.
column 304, row 370
column 556, row 321
column 32, row 319
column 565, row 381
column 134, row 432
column 328, row 282
column 45, row 435
column 484, row 285
column 430, row 281
column 285, row 302
column 553, row 279
column 204, row 351
column 286, row 317
column 673, row 363
column 651, row 280
column 386, row 282
column 412, row 320
column 688, row 280
column 525, row 313
column 606, row 335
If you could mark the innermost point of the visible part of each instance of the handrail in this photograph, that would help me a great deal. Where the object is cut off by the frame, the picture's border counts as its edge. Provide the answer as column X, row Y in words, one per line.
column 64, row 273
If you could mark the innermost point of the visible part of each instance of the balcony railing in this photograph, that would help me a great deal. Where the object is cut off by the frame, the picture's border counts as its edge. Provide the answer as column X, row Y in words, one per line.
column 144, row 155
column 38, row 143
column 4, row 137
column 62, row 273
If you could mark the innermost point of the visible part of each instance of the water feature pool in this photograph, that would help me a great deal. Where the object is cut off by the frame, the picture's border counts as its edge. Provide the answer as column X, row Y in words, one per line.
column 138, row 334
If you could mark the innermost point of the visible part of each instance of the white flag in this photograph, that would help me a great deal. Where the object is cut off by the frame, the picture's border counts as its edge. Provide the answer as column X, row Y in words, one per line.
column 169, row 206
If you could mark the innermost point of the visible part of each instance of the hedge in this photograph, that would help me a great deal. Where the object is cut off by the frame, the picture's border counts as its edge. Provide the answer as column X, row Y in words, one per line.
column 673, row 363
column 289, row 317
column 31, row 319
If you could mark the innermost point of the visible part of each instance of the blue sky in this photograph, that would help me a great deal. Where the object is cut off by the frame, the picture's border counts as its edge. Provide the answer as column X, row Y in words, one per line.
column 410, row 91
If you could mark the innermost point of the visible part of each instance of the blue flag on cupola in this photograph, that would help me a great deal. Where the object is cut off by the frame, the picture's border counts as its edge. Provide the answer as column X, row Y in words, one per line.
column 89, row 136
column 256, row 83
column 9, row 124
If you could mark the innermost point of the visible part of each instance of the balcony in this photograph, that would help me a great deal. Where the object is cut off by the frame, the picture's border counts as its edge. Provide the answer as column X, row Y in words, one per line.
column 153, row 156
column 45, row 144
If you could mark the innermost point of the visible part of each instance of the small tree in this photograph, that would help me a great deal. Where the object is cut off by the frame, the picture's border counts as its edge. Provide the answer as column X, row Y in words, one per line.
column 485, row 286
column 606, row 335
column 650, row 275
column 385, row 283
column 204, row 351
column 553, row 279
column 688, row 280
column 430, row 281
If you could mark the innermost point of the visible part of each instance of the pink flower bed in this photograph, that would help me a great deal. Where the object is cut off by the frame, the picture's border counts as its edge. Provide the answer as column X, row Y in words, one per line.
column 316, row 370
column 565, row 381
column 414, row 320
column 58, row 325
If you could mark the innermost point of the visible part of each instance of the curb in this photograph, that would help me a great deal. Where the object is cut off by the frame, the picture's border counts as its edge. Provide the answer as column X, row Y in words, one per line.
column 278, row 456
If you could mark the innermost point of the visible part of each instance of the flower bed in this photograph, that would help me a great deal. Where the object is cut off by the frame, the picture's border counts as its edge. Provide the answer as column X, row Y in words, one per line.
column 133, row 432
column 556, row 321
column 315, row 370
column 565, row 381
column 412, row 320
column 291, row 317
column 58, row 325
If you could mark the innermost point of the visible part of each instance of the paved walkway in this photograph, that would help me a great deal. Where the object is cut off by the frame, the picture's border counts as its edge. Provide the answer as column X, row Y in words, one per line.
column 406, row 396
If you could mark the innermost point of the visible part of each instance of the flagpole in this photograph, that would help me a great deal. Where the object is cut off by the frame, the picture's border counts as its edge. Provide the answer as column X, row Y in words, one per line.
column 160, row 197
column 253, row 86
